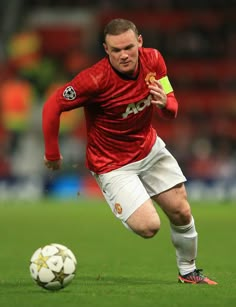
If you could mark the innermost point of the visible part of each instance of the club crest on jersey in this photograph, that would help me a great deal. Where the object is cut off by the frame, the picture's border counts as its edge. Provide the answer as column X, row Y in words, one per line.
column 150, row 77
column 69, row 93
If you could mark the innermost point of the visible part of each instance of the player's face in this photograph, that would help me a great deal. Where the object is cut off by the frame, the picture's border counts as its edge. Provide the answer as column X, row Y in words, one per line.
column 122, row 50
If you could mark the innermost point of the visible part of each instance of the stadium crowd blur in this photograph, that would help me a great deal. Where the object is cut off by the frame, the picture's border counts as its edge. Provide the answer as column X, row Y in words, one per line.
column 45, row 43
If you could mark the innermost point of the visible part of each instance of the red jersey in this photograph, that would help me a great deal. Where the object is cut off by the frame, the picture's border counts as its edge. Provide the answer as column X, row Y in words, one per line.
column 118, row 112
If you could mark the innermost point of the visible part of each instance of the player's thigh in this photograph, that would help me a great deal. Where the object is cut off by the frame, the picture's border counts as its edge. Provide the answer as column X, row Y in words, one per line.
column 123, row 191
column 175, row 204
column 144, row 220
column 163, row 174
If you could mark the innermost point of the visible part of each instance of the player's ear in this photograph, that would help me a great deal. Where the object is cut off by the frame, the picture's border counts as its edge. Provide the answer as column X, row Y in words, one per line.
column 105, row 47
column 140, row 40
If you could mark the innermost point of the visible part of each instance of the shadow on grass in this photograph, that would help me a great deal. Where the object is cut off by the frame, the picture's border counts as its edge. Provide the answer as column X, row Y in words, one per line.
column 122, row 280
column 86, row 282
column 26, row 286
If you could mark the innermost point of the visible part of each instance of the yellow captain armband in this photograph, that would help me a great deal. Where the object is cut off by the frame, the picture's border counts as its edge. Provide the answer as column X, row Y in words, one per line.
column 166, row 85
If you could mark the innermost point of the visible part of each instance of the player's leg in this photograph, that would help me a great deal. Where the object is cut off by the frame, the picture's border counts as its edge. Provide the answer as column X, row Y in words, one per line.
column 183, row 233
column 129, row 201
column 144, row 220
column 164, row 182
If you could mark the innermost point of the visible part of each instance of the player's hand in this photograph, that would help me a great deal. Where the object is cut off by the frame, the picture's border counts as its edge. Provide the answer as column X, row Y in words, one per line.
column 53, row 165
column 159, row 97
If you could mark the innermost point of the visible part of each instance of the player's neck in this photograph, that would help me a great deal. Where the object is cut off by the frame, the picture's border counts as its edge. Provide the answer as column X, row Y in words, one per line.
column 135, row 73
column 128, row 76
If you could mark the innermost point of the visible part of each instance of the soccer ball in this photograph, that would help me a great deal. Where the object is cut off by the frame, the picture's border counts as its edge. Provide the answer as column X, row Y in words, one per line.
column 53, row 266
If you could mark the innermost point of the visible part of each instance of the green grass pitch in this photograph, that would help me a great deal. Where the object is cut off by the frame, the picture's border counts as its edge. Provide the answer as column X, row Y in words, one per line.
column 115, row 267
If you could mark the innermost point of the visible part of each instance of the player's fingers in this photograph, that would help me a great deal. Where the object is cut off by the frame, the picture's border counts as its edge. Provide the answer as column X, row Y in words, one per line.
column 158, row 83
column 53, row 165
column 156, row 89
column 158, row 97
column 48, row 165
column 158, row 104
column 156, row 93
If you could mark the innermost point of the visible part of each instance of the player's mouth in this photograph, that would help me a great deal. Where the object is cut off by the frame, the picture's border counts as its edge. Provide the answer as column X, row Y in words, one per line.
column 127, row 63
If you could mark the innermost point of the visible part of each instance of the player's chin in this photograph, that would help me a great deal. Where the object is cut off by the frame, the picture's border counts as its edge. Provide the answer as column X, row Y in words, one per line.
column 127, row 70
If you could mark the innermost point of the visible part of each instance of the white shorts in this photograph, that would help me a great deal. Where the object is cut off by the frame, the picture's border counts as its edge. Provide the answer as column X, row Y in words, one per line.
column 128, row 187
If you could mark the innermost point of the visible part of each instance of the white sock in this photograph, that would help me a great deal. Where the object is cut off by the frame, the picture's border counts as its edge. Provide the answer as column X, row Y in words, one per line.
column 185, row 238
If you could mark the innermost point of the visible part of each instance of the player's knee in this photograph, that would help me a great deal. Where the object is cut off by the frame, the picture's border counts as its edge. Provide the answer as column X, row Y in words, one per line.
column 186, row 215
column 182, row 210
column 148, row 233
column 145, row 221
column 149, row 229
column 146, row 228
column 183, row 214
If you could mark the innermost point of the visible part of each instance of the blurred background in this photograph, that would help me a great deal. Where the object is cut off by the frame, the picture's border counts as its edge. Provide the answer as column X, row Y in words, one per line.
column 45, row 43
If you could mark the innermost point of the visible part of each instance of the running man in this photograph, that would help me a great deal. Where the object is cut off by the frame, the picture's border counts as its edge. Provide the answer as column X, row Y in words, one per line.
column 120, row 94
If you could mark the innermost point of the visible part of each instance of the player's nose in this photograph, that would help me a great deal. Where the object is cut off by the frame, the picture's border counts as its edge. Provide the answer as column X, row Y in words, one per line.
column 124, row 55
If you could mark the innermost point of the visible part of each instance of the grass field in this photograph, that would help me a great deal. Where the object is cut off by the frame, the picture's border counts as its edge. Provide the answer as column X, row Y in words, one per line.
column 115, row 267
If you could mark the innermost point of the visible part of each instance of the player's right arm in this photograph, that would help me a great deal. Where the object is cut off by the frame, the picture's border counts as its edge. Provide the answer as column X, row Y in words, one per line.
column 73, row 95
column 53, row 165
column 50, row 126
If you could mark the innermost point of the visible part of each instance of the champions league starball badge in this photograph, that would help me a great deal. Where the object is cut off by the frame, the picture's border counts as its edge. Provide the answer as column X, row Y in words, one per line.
column 69, row 93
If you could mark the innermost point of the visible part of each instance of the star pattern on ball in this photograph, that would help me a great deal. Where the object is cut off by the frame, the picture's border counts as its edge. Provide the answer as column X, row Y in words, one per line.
column 60, row 276
column 41, row 262
column 63, row 254
column 53, row 266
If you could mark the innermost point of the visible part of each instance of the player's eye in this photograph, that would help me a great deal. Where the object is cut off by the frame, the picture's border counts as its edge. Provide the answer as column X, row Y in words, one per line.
column 129, row 47
column 114, row 49
column 117, row 50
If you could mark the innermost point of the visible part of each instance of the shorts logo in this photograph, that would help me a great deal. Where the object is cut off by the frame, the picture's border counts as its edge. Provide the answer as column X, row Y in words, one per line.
column 69, row 93
column 118, row 208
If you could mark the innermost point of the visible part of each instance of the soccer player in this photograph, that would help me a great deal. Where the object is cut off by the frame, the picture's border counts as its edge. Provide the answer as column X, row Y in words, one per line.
column 120, row 94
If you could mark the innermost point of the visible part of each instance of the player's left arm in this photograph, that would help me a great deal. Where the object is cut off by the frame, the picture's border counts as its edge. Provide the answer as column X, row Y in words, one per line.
column 163, row 97
column 160, row 88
